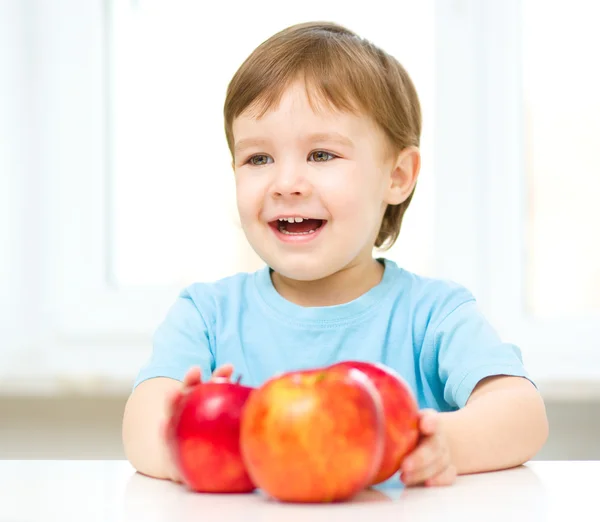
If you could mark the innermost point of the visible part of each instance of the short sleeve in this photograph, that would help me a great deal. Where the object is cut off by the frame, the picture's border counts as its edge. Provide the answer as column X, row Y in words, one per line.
column 180, row 342
column 468, row 350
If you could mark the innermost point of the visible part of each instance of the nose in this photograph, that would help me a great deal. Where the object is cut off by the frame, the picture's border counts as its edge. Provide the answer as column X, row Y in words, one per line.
column 290, row 181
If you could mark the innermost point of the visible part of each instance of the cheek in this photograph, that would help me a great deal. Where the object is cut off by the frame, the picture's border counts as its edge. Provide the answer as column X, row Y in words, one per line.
column 354, row 194
column 248, row 197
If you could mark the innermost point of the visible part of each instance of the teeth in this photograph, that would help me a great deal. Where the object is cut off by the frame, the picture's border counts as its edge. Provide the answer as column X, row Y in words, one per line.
column 293, row 219
column 297, row 233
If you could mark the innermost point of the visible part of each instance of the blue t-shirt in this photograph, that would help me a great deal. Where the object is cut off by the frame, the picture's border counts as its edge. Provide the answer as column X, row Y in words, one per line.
column 429, row 330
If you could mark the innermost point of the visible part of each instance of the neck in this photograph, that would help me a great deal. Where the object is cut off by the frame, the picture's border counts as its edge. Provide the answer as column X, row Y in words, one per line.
column 342, row 287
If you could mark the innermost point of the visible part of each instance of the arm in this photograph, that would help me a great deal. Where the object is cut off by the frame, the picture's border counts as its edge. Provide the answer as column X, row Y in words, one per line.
column 503, row 425
column 494, row 416
column 180, row 343
column 145, row 414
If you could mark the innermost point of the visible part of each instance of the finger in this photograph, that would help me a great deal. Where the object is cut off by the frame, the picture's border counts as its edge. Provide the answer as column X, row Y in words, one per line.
column 424, row 454
column 446, row 478
column 429, row 422
column 421, row 475
column 224, row 371
column 429, row 469
column 192, row 377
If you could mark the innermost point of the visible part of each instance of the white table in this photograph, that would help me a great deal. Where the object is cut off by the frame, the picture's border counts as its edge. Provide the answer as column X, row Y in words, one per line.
column 112, row 491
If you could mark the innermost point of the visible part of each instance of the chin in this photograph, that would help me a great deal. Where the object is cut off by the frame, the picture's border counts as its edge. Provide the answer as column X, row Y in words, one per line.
column 305, row 270
column 308, row 265
column 303, row 274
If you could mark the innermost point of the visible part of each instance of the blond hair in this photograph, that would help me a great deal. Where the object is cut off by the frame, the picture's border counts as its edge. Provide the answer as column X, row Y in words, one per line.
column 344, row 70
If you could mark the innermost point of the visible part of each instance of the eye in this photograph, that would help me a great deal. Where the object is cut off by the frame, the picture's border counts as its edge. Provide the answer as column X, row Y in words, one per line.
column 321, row 156
column 259, row 159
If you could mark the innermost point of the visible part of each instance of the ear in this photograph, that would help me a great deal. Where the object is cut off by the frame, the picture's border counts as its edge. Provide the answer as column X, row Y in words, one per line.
column 403, row 176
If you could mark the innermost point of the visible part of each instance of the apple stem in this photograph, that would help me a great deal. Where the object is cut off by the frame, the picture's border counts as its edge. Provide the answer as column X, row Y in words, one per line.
column 238, row 379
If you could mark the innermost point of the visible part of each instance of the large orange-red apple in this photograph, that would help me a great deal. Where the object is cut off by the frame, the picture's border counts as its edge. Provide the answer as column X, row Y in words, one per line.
column 204, row 437
column 401, row 414
column 313, row 435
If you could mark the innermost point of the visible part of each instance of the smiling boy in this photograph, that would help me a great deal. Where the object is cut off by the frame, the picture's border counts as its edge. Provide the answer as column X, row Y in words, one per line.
column 324, row 131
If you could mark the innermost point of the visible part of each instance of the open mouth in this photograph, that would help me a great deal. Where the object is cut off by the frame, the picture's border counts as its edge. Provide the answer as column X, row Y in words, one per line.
column 297, row 226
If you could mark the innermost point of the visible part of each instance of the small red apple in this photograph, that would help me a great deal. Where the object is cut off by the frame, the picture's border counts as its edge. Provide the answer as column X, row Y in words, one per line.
column 313, row 435
column 401, row 414
column 204, row 437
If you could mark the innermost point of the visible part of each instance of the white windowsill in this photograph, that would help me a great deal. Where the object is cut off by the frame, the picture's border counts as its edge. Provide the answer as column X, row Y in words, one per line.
column 111, row 369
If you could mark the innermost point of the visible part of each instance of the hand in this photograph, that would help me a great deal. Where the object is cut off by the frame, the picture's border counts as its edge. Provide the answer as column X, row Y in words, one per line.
column 192, row 378
column 430, row 463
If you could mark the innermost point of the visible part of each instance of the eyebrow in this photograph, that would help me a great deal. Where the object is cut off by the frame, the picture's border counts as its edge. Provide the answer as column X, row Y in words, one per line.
column 312, row 138
column 331, row 136
column 247, row 143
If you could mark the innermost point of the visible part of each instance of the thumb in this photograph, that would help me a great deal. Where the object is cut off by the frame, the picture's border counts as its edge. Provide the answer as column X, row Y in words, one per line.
column 429, row 422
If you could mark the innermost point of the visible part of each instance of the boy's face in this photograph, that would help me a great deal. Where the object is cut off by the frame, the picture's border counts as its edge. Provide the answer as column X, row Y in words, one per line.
column 330, row 167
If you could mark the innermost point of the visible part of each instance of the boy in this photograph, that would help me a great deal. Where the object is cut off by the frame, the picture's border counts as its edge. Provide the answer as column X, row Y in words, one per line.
column 324, row 129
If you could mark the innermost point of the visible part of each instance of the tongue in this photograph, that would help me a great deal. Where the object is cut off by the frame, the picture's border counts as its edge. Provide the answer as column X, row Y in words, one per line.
column 303, row 226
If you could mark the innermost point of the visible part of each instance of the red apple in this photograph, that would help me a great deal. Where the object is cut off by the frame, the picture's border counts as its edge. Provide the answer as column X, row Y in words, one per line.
column 313, row 436
column 401, row 414
column 204, row 437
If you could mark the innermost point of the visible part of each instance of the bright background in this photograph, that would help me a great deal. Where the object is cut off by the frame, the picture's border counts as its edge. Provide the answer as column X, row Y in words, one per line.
column 116, row 189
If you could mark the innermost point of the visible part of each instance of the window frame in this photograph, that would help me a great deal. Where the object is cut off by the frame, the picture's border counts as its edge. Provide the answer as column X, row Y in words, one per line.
column 479, row 52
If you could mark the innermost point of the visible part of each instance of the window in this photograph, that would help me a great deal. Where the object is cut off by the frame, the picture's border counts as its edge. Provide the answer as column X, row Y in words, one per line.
column 535, row 182
column 128, row 194
column 562, row 129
